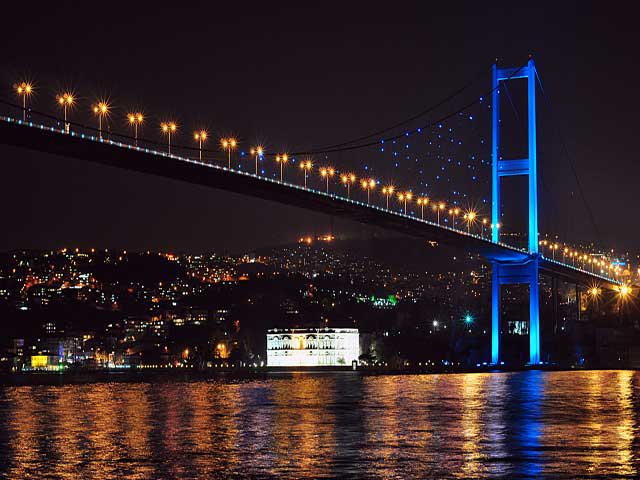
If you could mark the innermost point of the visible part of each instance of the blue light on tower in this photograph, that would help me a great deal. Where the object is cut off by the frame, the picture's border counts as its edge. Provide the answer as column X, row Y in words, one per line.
column 527, row 273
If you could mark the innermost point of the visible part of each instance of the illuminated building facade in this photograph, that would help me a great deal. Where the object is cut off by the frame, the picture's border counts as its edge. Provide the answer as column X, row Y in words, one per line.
column 312, row 347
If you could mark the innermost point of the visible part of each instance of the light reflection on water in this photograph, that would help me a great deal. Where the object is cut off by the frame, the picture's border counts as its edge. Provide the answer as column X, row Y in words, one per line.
column 302, row 425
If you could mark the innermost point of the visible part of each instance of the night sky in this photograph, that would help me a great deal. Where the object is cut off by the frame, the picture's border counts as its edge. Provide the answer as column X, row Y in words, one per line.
column 297, row 77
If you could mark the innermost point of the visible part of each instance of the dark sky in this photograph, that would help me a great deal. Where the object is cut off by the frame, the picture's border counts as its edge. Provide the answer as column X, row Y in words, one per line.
column 298, row 76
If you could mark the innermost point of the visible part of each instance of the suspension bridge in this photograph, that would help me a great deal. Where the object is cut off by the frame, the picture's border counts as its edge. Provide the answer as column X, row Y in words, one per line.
column 340, row 196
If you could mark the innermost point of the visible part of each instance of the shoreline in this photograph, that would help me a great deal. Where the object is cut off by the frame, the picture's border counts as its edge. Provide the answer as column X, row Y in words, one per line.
column 192, row 375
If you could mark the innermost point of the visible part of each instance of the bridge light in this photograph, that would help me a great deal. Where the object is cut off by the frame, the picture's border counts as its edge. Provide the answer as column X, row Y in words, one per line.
column 405, row 197
column 24, row 90
column 484, row 225
column 453, row 212
column 470, row 217
column 438, row 208
column 326, row 173
column 257, row 152
column 66, row 100
column 101, row 109
column 229, row 144
column 200, row 136
column 422, row 201
column 388, row 191
column 135, row 119
column 168, row 128
column 306, row 166
column 282, row 159
column 347, row 180
column 368, row 185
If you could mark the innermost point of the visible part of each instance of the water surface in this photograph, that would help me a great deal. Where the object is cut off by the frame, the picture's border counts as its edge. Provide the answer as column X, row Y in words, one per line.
column 305, row 425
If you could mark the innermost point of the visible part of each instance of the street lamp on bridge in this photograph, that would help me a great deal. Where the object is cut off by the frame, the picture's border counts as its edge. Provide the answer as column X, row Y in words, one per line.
column 200, row 136
column 368, row 185
column 326, row 173
column 347, row 180
column 470, row 217
column 168, row 128
column 65, row 100
column 257, row 152
column 423, row 202
column 387, row 191
column 405, row 197
column 24, row 90
column 282, row 159
column 438, row 208
column 135, row 119
column 306, row 167
column 454, row 212
column 101, row 109
column 229, row 144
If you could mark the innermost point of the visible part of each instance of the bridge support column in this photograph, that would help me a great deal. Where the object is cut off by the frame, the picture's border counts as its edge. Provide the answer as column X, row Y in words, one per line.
column 510, row 274
column 554, row 301
column 525, row 272
column 495, row 313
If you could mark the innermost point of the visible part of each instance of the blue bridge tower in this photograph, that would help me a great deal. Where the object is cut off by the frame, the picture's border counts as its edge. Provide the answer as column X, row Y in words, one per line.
column 526, row 272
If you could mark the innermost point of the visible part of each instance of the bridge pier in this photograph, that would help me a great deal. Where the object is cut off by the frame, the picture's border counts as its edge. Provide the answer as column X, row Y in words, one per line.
column 510, row 274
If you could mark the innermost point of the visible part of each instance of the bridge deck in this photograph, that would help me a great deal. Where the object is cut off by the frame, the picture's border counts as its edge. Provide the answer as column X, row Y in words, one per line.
column 122, row 155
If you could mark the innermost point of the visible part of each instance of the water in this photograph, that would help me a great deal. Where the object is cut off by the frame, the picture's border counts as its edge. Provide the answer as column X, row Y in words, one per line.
column 305, row 425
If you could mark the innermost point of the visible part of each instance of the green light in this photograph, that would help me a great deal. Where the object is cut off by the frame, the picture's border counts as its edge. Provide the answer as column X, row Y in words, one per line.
column 468, row 319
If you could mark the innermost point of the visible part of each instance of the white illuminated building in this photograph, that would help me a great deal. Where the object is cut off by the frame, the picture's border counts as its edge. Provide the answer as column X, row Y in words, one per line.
column 312, row 347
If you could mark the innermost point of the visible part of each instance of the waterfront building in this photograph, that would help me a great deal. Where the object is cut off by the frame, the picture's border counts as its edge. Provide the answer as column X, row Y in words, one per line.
column 45, row 362
column 312, row 347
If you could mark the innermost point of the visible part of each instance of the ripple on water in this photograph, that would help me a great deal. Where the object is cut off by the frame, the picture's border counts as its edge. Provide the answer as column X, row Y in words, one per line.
column 305, row 425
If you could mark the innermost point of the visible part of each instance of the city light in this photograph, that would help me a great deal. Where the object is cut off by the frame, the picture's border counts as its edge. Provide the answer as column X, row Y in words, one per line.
column 229, row 144
column 24, row 90
column 101, row 109
column 200, row 136
column 168, row 128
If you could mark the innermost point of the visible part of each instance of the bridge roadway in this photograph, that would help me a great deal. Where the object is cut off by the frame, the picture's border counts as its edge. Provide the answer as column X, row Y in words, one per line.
column 46, row 139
